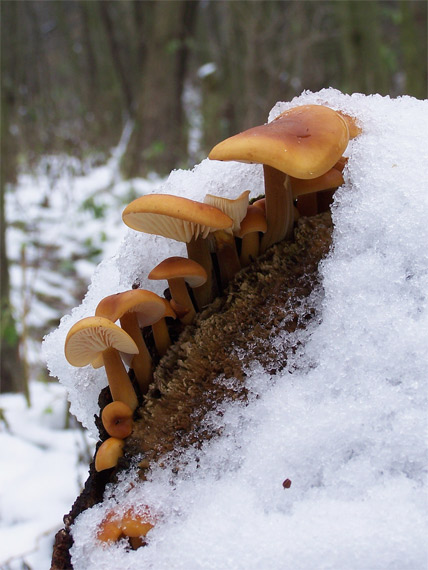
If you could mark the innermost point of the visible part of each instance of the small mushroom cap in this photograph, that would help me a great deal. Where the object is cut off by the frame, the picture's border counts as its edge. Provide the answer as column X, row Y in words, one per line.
column 108, row 453
column 303, row 142
column 148, row 306
column 254, row 221
column 180, row 267
column 331, row 179
column 91, row 336
column 117, row 419
column 235, row 209
column 174, row 217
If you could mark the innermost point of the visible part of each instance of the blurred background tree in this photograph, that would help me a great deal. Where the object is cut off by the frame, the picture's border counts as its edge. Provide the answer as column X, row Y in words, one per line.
column 184, row 74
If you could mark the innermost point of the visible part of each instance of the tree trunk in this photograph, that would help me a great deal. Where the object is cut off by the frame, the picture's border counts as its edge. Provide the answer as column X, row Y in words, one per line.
column 11, row 371
column 159, row 139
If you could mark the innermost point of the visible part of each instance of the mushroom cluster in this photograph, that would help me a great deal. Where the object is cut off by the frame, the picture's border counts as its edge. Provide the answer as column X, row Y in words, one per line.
column 302, row 156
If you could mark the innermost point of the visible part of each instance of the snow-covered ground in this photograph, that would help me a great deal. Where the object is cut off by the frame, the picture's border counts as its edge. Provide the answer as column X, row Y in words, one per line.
column 63, row 220
column 43, row 467
column 348, row 426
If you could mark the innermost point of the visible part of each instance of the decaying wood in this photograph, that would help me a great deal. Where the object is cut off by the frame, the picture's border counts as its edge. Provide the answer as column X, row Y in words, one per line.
column 229, row 335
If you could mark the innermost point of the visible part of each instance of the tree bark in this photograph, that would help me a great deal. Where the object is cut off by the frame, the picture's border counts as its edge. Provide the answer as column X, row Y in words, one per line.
column 11, row 370
column 159, row 141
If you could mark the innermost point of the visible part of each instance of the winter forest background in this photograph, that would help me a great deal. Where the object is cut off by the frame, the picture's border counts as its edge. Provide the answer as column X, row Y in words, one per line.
column 139, row 88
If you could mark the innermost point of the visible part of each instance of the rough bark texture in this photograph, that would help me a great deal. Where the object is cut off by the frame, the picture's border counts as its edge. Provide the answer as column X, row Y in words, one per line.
column 263, row 299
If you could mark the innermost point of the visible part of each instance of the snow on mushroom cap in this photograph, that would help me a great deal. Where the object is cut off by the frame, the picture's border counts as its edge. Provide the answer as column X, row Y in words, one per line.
column 91, row 336
column 304, row 142
column 174, row 217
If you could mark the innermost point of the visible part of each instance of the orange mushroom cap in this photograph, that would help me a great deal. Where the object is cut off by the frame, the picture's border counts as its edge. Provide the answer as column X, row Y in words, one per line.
column 148, row 306
column 117, row 419
column 180, row 267
column 174, row 217
column 108, row 453
column 303, row 142
column 331, row 179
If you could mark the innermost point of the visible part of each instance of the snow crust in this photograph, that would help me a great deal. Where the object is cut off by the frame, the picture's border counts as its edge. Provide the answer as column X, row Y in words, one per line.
column 345, row 422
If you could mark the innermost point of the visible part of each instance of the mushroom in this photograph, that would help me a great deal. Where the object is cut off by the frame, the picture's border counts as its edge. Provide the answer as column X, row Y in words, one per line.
column 183, row 220
column 160, row 329
column 108, row 453
column 178, row 271
column 135, row 308
column 303, row 142
column 92, row 336
column 117, row 419
column 227, row 255
column 249, row 232
column 309, row 192
column 131, row 524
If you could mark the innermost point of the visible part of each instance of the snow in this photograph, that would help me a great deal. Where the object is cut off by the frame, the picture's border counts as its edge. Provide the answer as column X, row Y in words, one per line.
column 345, row 422
column 40, row 474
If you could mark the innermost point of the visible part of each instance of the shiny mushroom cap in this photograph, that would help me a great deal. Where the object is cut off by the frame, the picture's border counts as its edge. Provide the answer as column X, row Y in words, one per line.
column 174, row 217
column 234, row 208
column 148, row 306
column 91, row 336
column 180, row 267
column 109, row 453
column 303, row 142
column 117, row 419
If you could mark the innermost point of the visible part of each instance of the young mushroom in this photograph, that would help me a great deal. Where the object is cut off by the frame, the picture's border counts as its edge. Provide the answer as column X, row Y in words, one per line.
column 117, row 419
column 135, row 308
column 178, row 271
column 108, row 453
column 94, row 336
column 303, row 142
column 183, row 220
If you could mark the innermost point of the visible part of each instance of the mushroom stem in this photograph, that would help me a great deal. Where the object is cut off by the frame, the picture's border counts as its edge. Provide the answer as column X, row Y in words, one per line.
column 279, row 207
column 199, row 250
column 120, row 385
column 250, row 247
column 161, row 336
column 180, row 294
column 227, row 256
column 307, row 204
column 142, row 362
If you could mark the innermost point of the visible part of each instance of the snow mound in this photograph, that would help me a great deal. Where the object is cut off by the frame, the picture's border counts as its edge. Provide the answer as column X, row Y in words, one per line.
column 349, row 431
